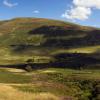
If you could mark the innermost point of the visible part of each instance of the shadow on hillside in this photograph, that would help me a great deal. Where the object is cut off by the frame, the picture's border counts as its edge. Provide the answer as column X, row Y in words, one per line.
column 60, row 30
column 17, row 66
column 63, row 60
column 91, row 37
column 21, row 47
column 55, row 31
column 77, row 61
column 51, row 34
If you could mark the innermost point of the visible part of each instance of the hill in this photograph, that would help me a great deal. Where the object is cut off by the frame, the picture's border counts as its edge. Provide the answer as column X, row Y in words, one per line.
column 22, row 39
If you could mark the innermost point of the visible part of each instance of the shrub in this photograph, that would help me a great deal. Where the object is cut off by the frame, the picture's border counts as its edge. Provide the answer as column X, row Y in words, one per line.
column 29, row 68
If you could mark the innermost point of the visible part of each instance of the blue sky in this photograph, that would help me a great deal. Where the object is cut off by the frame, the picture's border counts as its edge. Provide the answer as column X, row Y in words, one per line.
column 78, row 11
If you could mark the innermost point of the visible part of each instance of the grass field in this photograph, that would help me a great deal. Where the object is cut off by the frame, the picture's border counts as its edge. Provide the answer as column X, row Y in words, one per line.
column 48, row 84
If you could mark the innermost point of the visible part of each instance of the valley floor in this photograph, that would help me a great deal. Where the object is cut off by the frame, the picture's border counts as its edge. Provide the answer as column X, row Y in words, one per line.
column 49, row 84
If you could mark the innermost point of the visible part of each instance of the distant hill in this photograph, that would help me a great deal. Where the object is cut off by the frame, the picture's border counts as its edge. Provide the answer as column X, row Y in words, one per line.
column 25, row 38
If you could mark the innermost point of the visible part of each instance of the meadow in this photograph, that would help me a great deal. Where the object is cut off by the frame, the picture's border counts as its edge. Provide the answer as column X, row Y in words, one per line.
column 49, row 84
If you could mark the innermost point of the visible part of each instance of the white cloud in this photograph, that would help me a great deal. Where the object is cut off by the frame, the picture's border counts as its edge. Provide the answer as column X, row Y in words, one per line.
column 87, row 3
column 36, row 11
column 80, row 13
column 81, row 9
column 8, row 4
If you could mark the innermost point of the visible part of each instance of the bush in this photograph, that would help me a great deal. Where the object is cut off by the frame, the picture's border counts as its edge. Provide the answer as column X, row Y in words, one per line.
column 29, row 68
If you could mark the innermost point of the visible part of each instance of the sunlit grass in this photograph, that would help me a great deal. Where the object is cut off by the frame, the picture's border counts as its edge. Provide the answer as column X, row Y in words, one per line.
column 87, row 49
column 9, row 93
column 7, row 76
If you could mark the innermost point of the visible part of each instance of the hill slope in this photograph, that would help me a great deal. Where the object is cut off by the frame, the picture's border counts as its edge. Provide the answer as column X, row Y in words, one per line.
column 25, row 38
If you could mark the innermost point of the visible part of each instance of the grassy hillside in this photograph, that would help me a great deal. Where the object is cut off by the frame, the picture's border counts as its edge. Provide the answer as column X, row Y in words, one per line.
column 22, row 39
